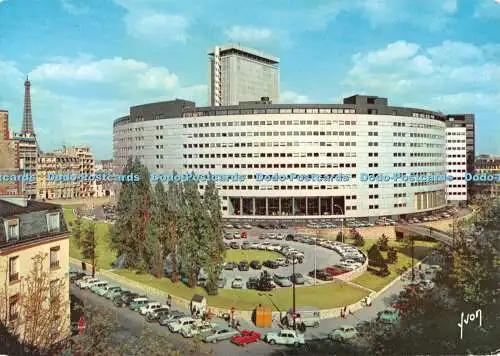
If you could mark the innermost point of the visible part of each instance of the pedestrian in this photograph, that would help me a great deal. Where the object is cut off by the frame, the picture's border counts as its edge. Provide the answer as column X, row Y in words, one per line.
column 169, row 300
column 345, row 312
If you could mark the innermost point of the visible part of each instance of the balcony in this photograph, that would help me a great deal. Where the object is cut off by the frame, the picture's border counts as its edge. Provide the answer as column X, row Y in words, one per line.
column 13, row 277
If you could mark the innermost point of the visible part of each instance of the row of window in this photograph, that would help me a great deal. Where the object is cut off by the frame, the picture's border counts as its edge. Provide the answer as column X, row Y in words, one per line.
column 274, row 154
column 12, row 226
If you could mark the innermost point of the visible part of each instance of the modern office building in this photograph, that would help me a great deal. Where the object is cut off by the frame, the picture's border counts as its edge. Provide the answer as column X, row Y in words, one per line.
column 57, row 164
column 28, row 146
column 456, row 165
column 364, row 135
column 86, row 163
column 31, row 228
column 487, row 165
column 467, row 121
column 240, row 74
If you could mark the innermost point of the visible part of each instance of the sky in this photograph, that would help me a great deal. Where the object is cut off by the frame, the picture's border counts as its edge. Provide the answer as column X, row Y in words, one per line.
column 90, row 60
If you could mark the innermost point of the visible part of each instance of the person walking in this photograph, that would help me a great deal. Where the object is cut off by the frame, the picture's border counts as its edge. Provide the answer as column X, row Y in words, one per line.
column 169, row 301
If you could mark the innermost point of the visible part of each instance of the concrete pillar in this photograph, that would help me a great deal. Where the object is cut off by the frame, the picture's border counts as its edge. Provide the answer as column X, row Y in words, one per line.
column 267, row 206
column 319, row 205
column 331, row 206
column 253, row 203
column 293, row 205
column 241, row 206
column 279, row 206
column 307, row 207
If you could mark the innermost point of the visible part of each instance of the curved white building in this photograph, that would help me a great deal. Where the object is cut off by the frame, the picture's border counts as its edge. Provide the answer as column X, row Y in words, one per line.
column 361, row 136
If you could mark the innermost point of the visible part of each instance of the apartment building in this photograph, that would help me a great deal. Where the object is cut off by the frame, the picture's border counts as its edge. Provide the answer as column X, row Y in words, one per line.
column 59, row 164
column 29, row 229
column 104, row 188
column 456, row 165
column 487, row 165
column 86, row 164
column 9, row 157
column 238, row 73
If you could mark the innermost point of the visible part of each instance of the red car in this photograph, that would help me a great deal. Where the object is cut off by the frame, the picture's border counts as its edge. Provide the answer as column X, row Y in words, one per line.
column 246, row 337
column 403, row 308
column 244, row 234
column 334, row 271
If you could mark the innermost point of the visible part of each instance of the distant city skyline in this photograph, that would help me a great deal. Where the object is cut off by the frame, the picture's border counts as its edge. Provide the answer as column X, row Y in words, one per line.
column 88, row 62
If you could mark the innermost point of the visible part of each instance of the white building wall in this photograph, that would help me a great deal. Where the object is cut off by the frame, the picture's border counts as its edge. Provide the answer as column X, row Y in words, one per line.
column 324, row 143
column 456, row 164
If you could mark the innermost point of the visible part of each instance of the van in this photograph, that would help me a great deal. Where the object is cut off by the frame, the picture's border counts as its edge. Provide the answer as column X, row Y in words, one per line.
column 307, row 316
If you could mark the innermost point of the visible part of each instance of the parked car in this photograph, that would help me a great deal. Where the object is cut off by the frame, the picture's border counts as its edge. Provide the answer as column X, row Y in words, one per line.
column 230, row 266
column 115, row 293
column 94, row 287
column 137, row 303
column 321, row 275
column 237, row 226
column 253, row 283
column 298, row 278
column 229, row 226
column 345, row 332
column 103, row 291
column 247, row 226
column 201, row 282
column 282, row 262
column 244, row 234
column 237, row 235
column 285, row 337
column 75, row 276
column 234, row 245
column 243, row 266
column 389, row 316
column 245, row 245
column 270, row 264
column 171, row 316
column 282, row 281
column 426, row 285
column 126, row 299
column 221, row 282
column 255, row 264
column 246, row 337
column 334, row 271
column 150, row 307
column 86, row 282
column 218, row 333
column 237, row 283
column 175, row 326
column 157, row 314
column 196, row 329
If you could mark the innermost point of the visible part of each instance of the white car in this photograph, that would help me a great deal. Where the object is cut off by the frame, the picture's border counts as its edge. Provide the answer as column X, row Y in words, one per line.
column 228, row 226
column 176, row 325
column 247, row 226
column 150, row 307
column 237, row 235
column 426, row 284
column 87, row 283
column 264, row 245
column 196, row 329
column 349, row 266
column 272, row 235
column 280, row 237
column 237, row 283
column 285, row 337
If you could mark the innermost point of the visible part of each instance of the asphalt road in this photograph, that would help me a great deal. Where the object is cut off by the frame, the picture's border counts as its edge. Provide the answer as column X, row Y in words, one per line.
column 324, row 258
column 132, row 324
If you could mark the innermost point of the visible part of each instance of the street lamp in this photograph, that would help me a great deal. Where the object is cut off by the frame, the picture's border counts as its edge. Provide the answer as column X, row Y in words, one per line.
column 342, row 220
column 293, row 292
column 315, row 255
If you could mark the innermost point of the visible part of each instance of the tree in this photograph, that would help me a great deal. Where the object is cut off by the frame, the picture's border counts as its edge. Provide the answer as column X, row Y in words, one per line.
column 213, row 236
column 88, row 245
column 392, row 255
column 76, row 230
column 157, row 244
column 41, row 319
column 176, row 224
column 359, row 240
column 383, row 243
column 339, row 236
column 375, row 258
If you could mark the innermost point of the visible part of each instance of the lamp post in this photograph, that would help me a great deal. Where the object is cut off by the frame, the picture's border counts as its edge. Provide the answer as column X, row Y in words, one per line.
column 342, row 221
column 315, row 255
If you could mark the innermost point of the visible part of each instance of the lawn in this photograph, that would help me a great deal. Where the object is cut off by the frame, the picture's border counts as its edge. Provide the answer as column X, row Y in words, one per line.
column 250, row 255
column 105, row 256
column 372, row 281
column 323, row 296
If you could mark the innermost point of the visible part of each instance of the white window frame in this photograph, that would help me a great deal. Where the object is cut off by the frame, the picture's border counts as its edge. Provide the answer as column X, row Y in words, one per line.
column 15, row 226
column 58, row 226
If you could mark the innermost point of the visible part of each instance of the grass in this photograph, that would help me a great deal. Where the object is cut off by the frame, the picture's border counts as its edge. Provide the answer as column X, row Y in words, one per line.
column 372, row 281
column 323, row 296
column 250, row 255
column 105, row 256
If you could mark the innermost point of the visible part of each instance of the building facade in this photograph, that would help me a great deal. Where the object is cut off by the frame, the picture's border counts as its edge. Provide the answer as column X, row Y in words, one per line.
column 239, row 74
column 364, row 135
column 104, row 188
column 9, row 157
column 57, row 164
column 29, row 229
column 487, row 165
column 456, row 165
column 86, row 164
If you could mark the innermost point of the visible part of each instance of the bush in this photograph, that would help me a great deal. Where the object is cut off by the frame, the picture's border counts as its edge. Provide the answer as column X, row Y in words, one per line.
column 383, row 243
column 359, row 240
column 384, row 271
column 392, row 255
column 375, row 258
column 339, row 236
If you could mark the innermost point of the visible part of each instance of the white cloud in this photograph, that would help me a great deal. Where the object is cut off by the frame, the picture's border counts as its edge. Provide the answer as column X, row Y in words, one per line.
column 487, row 9
column 451, row 76
column 250, row 34
column 119, row 71
column 161, row 28
column 74, row 7
column 292, row 97
column 77, row 110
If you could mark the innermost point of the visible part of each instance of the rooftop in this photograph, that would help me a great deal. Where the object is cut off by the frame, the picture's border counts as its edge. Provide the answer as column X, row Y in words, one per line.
column 15, row 205
column 231, row 47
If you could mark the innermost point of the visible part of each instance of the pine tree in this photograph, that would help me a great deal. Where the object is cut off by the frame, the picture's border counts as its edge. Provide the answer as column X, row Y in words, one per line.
column 392, row 255
column 88, row 245
column 339, row 236
column 159, row 228
column 176, row 221
column 383, row 243
column 375, row 258
column 76, row 230
column 213, row 237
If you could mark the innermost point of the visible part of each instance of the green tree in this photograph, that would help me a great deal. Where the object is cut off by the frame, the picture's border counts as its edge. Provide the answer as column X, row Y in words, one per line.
column 88, row 245
column 213, row 236
column 375, row 258
column 339, row 236
column 176, row 224
column 392, row 255
column 359, row 240
column 76, row 230
column 157, row 243
column 383, row 243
